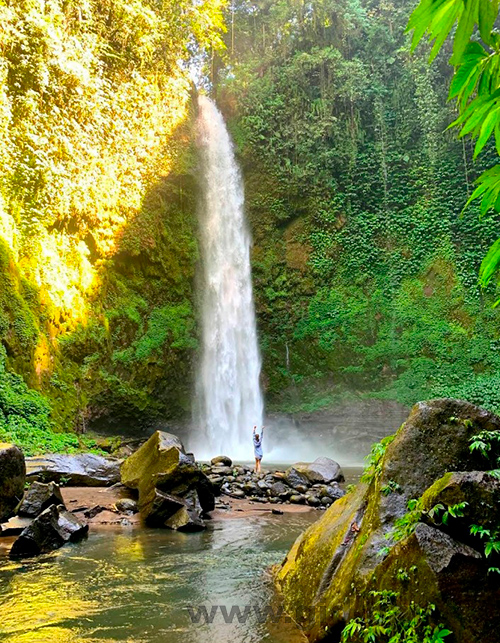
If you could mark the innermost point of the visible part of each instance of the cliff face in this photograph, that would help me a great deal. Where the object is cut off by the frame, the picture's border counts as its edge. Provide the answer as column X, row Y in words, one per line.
column 365, row 274
column 97, row 239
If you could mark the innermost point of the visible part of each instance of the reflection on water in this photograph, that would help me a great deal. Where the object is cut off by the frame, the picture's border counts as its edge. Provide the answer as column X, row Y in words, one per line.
column 137, row 586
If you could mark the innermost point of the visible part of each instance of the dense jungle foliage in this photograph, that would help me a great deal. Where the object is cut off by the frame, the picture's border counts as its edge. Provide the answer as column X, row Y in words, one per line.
column 365, row 276
column 97, row 238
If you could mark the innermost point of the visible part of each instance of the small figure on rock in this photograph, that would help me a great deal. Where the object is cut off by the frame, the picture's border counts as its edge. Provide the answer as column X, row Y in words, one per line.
column 257, row 447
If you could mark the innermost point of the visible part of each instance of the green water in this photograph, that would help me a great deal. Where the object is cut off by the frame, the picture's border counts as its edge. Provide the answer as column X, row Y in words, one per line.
column 137, row 585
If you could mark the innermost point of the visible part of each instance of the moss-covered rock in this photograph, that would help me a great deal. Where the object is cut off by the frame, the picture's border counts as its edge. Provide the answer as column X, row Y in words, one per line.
column 366, row 537
column 168, row 480
column 160, row 454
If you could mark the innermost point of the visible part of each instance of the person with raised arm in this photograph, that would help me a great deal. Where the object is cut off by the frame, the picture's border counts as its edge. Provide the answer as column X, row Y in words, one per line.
column 257, row 447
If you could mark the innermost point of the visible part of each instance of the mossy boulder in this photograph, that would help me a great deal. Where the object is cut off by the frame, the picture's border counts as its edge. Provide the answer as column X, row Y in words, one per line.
column 168, row 480
column 161, row 454
column 360, row 545
column 12, row 478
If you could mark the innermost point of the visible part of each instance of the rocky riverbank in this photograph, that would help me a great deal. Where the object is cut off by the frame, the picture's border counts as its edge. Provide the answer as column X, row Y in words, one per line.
column 50, row 500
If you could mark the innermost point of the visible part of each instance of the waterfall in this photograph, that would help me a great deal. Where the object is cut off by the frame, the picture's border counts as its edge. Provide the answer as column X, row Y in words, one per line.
column 228, row 398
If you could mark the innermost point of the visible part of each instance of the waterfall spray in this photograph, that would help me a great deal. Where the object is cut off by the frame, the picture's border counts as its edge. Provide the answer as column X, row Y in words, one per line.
column 228, row 396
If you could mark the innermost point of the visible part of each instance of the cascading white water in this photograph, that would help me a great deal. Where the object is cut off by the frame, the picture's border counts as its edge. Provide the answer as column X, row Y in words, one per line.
column 228, row 397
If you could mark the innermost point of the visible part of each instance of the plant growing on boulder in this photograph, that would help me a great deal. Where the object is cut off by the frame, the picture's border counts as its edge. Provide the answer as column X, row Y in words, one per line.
column 388, row 622
column 375, row 459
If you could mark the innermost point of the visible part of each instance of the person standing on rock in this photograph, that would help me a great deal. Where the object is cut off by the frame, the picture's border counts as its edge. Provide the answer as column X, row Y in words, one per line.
column 257, row 447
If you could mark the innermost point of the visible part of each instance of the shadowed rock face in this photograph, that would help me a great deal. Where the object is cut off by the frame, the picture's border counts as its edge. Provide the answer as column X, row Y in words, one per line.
column 50, row 530
column 327, row 576
column 12, row 478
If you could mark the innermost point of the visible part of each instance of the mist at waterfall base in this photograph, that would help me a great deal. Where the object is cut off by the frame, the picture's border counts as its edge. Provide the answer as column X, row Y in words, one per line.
column 228, row 401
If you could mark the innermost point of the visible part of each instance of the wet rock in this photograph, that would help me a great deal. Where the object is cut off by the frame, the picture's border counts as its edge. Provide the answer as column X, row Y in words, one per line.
column 263, row 486
column 94, row 511
column 258, row 499
column 236, row 493
column 38, row 497
column 322, row 470
column 53, row 528
column 313, row 501
column 222, row 471
column 161, row 464
column 217, row 482
column 14, row 526
column 277, row 512
column 334, row 492
column 127, row 506
column 326, row 501
column 221, row 460
column 280, row 490
column 12, row 478
column 188, row 518
column 297, row 499
column 296, row 479
column 250, row 488
column 79, row 470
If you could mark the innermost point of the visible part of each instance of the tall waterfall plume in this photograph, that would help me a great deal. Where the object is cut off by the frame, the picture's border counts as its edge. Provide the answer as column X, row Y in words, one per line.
column 228, row 397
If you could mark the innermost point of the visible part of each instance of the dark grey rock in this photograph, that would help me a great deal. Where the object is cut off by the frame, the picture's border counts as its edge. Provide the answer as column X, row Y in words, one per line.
column 189, row 517
column 296, row 479
column 12, row 478
column 38, row 497
column 79, row 470
column 221, row 460
column 280, row 490
column 297, row 499
column 50, row 530
column 222, row 471
column 127, row 506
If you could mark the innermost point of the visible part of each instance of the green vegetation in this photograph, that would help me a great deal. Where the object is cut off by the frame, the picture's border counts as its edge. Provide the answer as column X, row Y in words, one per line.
column 387, row 622
column 97, row 204
column 24, row 418
column 476, row 58
column 365, row 274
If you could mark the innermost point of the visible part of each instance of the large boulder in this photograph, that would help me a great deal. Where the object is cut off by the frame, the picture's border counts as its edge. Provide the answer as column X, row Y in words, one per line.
column 50, row 530
column 12, row 478
column 221, row 460
column 322, row 470
column 38, row 497
column 79, row 470
column 370, row 540
column 160, row 454
column 166, row 478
